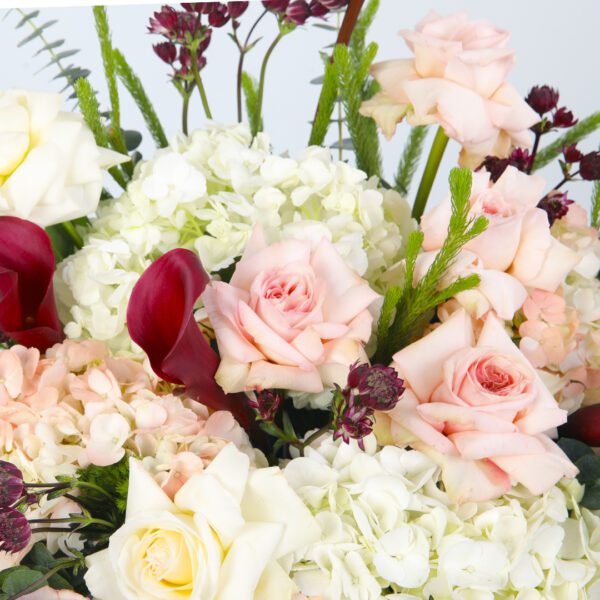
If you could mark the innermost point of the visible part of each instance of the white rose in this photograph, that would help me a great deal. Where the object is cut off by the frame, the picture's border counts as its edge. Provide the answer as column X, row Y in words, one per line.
column 50, row 166
column 226, row 535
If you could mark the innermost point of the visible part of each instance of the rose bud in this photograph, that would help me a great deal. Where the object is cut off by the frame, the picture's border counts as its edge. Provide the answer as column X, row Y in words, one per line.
column 11, row 483
column 563, row 118
column 166, row 51
column 297, row 12
column 542, row 98
column 583, row 425
column 15, row 532
column 556, row 204
column 237, row 9
column 589, row 166
column 572, row 154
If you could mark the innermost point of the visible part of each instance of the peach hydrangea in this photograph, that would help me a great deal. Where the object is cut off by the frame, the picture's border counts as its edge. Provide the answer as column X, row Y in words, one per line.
column 78, row 405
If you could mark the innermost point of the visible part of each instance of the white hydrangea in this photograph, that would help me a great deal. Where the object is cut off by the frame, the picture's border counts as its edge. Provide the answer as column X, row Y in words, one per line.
column 206, row 192
column 389, row 531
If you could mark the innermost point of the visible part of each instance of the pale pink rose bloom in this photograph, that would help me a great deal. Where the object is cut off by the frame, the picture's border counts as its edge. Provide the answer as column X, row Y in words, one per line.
column 48, row 593
column 459, row 68
column 290, row 318
column 548, row 333
column 479, row 409
column 518, row 237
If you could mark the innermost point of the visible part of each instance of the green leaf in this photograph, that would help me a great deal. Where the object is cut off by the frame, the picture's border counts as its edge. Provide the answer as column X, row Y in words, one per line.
column 572, row 136
column 574, row 449
column 417, row 303
column 288, row 427
column 132, row 139
column 327, row 100
column 37, row 32
column 591, row 497
column 27, row 17
column 250, row 88
column 51, row 46
column 135, row 88
column 410, row 159
column 19, row 579
column 364, row 22
column 589, row 468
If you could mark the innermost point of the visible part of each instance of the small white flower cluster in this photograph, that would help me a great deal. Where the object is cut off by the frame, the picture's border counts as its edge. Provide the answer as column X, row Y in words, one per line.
column 207, row 192
column 389, row 531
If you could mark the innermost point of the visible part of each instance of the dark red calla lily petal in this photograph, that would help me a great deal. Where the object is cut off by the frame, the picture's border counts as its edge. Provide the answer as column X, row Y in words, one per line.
column 583, row 425
column 160, row 319
column 27, row 308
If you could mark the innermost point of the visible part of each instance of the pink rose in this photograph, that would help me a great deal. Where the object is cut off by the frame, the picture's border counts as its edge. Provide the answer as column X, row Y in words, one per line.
column 290, row 318
column 518, row 237
column 479, row 409
column 459, row 68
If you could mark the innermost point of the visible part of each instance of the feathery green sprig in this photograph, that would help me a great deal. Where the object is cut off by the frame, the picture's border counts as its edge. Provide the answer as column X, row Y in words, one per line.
column 407, row 309
column 250, row 88
column 410, row 159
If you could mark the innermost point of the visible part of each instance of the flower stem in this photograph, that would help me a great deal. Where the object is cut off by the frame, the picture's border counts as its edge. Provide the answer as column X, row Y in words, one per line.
column 263, row 72
column 38, row 583
column 315, row 436
column 199, row 83
column 431, row 168
column 185, row 111
column 72, row 233
column 534, row 150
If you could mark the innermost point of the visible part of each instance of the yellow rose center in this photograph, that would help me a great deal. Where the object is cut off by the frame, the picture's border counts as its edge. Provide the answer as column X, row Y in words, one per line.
column 166, row 558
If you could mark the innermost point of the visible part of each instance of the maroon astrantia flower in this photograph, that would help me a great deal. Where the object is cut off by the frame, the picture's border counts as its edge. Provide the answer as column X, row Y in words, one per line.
column 583, row 425
column 11, row 484
column 589, row 166
column 542, row 98
column 572, row 154
column 556, row 204
column 563, row 118
column 160, row 319
column 219, row 16
column 266, row 403
column 27, row 309
column 334, row 4
column 166, row 51
column 164, row 22
column 297, row 12
column 237, row 9
column 15, row 532
column 521, row 159
column 317, row 9
column 276, row 5
column 369, row 388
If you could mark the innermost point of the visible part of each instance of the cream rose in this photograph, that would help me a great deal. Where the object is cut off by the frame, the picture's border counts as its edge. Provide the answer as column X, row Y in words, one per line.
column 224, row 536
column 50, row 166
column 291, row 317
column 518, row 237
column 479, row 409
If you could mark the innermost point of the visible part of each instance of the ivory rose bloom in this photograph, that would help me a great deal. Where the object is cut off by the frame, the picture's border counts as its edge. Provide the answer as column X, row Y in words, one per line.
column 224, row 536
column 50, row 166
column 459, row 68
column 290, row 318
column 518, row 237
column 479, row 409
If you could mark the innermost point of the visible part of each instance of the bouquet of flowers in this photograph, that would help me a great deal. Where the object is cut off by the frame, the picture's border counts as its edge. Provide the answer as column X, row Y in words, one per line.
column 253, row 376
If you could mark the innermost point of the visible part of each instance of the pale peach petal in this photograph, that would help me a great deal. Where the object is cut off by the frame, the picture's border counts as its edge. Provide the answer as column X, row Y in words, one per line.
column 498, row 245
column 309, row 343
column 421, row 363
column 391, row 75
column 475, row 445
column 11, row 373
column 264, row 375
column 505, row 294
column 385, row 111
column 464, row 417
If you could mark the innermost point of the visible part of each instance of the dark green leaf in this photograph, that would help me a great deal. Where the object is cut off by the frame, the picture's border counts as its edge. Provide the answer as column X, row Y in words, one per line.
column 39, row 556
column 345, row 145
column 574, row 449
column 591, row 497
column 325, row 26
column 36, row 33
column 19, row 579
column 589, row 468
column 50, row 46
column 26, row 18
column 132, row 139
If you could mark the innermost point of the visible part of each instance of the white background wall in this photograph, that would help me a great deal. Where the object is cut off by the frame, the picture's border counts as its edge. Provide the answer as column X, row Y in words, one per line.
column 556, row 43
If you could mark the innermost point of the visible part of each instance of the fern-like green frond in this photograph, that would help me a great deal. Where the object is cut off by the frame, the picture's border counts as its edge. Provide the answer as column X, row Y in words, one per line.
column 327, row 101
column 359, row 35
column 134, row 86
column 572, row 136
column 88, row 105
column 416, row 303
column 410, row 159
column 596, row 205
column 250, row 87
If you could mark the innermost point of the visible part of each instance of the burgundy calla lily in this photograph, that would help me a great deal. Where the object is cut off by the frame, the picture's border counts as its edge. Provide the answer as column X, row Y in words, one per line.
column 27, row 309
column 160, row 319
column 583, row 425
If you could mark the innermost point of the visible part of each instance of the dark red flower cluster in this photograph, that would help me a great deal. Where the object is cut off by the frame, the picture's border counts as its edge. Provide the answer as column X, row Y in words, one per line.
column 266, row 403
column 369, row 388
column 15, row 532
column 519, row 158
column 298, row 12
column 544, row 99
column 556, row 204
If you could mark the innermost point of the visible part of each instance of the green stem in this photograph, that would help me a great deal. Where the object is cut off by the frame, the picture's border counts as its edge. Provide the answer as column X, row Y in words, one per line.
column 199, row 83
column 73, row 233
column 263, row 72
column 186, row 109
column 315, row 436
column 38, row 583
column 431, row 168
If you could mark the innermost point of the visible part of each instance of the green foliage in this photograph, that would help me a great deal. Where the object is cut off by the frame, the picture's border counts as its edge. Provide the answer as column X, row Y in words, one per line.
column 410, row 159
column 359, row 35
column 134, row 86
column 572, row 136
column 250, row 87
column 114, row 480
column 115, row 134
column 407, row 310
column 70, row 72
column 327, row 100
column 355, row 87
column 588, row 464
column 88, row 105
column 596, row 205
